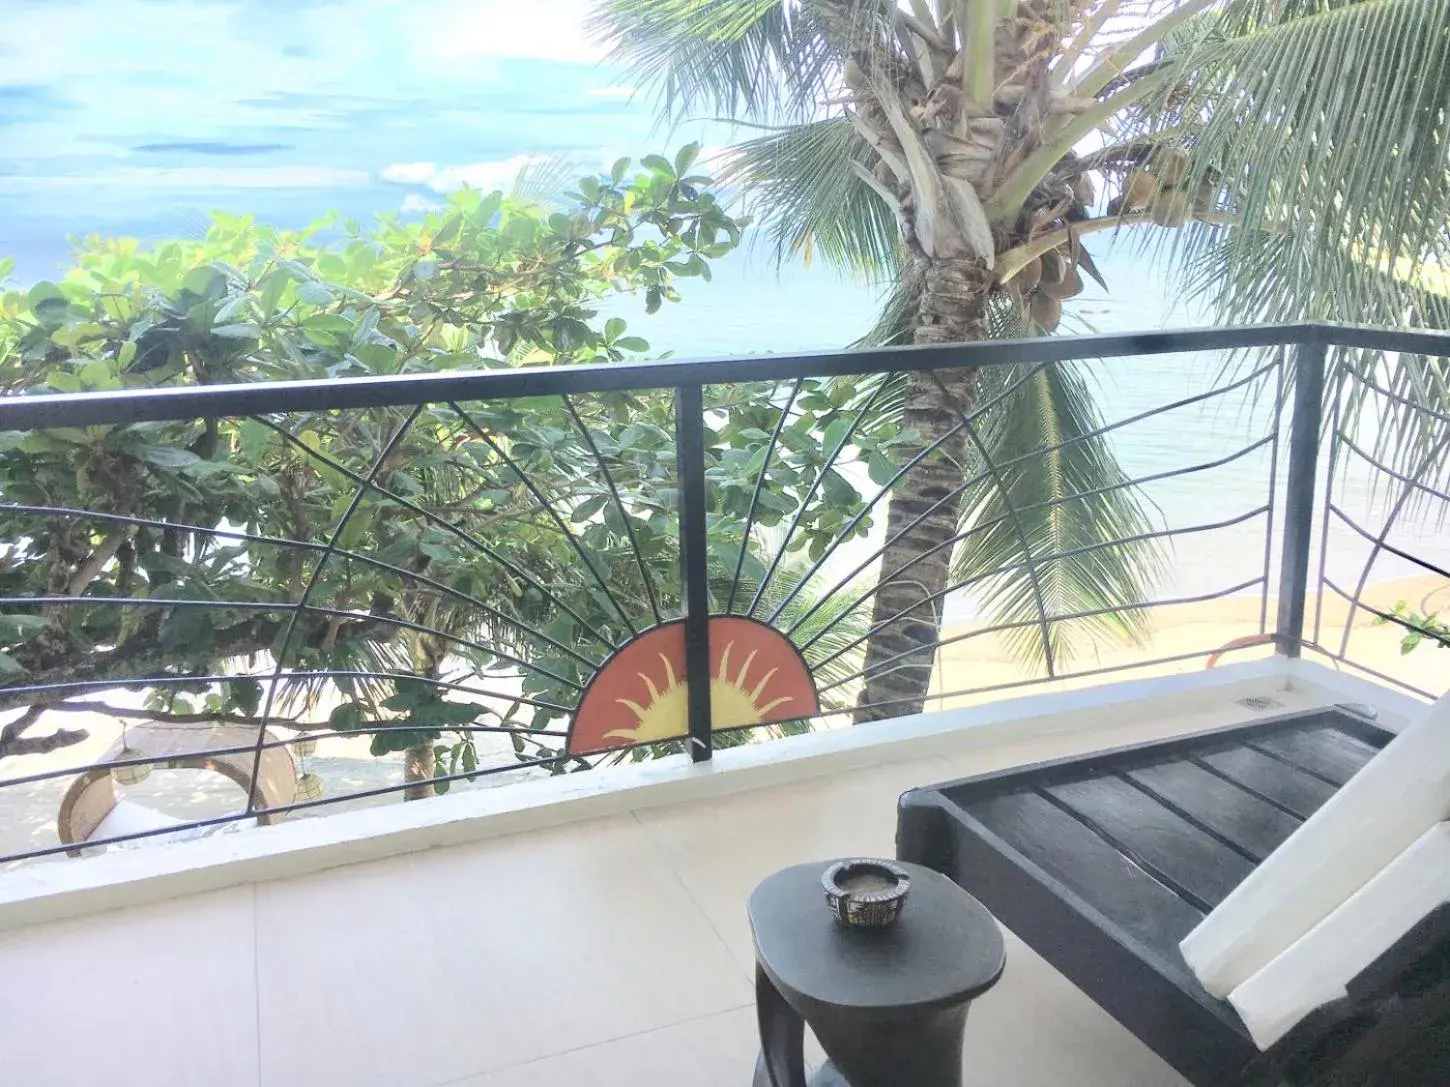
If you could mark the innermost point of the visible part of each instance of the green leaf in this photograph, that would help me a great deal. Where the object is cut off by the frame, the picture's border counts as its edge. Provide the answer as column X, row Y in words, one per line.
column 18, row 629
column 880, row 468
column 253, row 438
column 7, row 265
column 42, row 293
column 348, row 717
column 631, row 343
column 243, row 330
column 201, row 280
column 245, row 694
column 97, row 374
column 231, row 309
column 274, row 283
column 659, row 164
column 327, row 322
column 686, row 158
column 166, row 456
column 126, row 355
column 315, row 294
column 613, row 329
column 425, row 269
column 588, row 508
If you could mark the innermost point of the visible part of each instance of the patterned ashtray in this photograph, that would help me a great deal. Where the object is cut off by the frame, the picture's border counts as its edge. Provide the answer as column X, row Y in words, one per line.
column 865, row 893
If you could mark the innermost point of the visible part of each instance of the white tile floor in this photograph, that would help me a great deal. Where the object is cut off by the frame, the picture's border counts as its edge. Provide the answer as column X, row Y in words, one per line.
column 614, row 952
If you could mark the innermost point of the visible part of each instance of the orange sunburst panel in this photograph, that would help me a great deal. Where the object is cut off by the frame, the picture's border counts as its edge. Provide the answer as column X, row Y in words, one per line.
column 640, row 695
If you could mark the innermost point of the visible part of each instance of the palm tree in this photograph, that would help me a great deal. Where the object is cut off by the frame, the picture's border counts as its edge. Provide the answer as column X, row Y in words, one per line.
column 963, row 149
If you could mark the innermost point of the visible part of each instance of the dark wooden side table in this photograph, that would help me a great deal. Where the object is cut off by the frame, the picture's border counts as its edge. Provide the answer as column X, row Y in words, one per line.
column 889, row 1006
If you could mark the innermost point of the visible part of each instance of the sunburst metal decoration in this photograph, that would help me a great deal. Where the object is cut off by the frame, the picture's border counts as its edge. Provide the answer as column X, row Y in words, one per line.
column 641, row 694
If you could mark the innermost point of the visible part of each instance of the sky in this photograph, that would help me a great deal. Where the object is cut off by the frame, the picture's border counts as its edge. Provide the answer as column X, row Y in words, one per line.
column 134, row 116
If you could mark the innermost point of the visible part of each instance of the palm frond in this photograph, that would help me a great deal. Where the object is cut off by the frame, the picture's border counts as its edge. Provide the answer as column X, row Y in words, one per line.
column 1320, row 129
column 1055, row 490
column 1324, row 125
column 544, row 179
column 804, row 185
column 737, row 58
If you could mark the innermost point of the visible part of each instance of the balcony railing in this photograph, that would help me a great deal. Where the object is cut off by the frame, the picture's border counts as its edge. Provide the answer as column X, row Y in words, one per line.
column 512, row 572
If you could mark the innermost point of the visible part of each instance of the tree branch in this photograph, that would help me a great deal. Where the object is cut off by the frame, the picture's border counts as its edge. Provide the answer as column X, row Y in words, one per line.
column 167, row 718
column 13, row 740
column 1014, row 260
column 97, row 562
column 1130, row 76
column 922, row 31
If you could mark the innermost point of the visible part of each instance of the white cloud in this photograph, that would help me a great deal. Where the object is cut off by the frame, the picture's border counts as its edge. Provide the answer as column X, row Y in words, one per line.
column 538, row 30
column 203, row 178
column 476, row 175
column 409, row 173
column 414, row 204
column 613, row 94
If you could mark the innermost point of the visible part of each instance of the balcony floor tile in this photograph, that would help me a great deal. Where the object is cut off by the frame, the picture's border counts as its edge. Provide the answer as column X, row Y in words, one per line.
column 161, row 995
column 434, row 966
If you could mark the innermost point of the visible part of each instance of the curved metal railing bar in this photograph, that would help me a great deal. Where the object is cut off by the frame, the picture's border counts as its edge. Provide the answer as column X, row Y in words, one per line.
column 1146, row 605
column 625, row 519
column 984, row 526
column 1410, row 484
column 303, row 545
column 759, row 486
column 554, row 515
column 313, row 580
column 1398, row 552
column 263, row 606
column 1414, row 481
column 290, row 741
column 826, row 468
column 131, row 683
column 848, row 530
column 1007, row 568
column 448, row 526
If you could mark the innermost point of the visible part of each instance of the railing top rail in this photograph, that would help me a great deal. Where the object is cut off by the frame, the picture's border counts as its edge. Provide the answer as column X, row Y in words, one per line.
column 28, row 412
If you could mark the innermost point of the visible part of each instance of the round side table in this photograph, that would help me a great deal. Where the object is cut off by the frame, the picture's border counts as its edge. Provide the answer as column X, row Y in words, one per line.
column 889, row 1005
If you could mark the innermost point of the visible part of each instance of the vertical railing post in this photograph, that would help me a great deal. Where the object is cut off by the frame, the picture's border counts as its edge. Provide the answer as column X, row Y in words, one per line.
column 694, row 562
column 1304, row 437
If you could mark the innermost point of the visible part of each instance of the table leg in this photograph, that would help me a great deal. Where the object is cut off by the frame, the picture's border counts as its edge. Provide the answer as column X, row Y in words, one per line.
column 782, row 1038
column 923, row 1051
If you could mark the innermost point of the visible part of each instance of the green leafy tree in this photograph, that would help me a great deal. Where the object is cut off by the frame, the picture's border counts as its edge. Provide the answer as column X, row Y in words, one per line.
column 1426, row 629
column 464, row 566
column 963, row 150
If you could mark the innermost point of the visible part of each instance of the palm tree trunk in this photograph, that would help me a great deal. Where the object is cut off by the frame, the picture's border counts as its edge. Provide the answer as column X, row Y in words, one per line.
column 906, row 619
column 418, row 772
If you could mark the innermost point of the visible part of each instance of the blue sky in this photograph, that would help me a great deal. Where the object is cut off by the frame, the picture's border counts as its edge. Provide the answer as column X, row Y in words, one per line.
column 129, row 116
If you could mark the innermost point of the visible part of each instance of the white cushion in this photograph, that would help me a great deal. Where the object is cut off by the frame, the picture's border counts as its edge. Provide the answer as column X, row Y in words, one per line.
column 1317, row 968
column 1401, row 793
column 128, row 817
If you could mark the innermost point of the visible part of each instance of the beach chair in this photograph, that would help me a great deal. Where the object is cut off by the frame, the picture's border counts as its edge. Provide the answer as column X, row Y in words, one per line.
column 1263, row 905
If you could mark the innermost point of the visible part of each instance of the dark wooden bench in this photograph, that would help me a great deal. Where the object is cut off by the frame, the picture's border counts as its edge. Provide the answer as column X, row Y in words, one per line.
column 1102, row 864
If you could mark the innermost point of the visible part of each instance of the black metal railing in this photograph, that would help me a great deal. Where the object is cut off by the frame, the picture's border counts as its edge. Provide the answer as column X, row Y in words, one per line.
column 513, row 571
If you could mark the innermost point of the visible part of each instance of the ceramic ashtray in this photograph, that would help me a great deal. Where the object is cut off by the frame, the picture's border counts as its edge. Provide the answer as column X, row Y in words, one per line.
column 866, row 893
